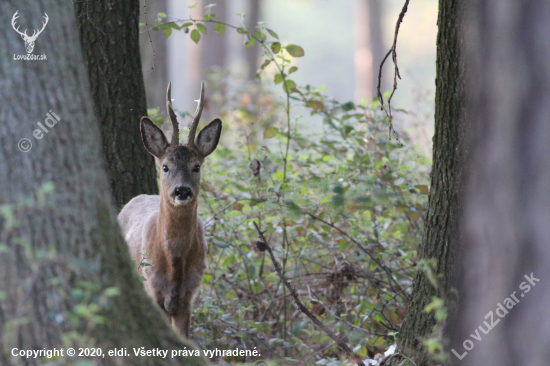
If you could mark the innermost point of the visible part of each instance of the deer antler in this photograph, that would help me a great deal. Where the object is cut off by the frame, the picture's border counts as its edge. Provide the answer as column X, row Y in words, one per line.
column 172, row 117
column 13, row 19
column 35, row 34
column 196, row 119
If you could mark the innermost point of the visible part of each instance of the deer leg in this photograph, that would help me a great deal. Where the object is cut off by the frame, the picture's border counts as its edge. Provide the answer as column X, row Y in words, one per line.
column 181, row 320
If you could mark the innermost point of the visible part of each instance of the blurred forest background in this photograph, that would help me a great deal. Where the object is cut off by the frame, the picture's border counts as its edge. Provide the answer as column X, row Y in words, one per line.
column 344, row 41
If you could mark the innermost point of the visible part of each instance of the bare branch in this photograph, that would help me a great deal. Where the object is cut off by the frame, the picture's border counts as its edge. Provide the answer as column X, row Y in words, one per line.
column 263, row 245
column 396, row 74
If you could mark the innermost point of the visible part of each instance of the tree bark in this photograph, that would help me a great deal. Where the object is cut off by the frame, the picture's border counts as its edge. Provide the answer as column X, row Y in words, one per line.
column 213, row 46
column 155, row 78
column 441, row 235
column 369, row 49
column 252, row 54
column 110, row 42
column 507, row 214
column 61, row 251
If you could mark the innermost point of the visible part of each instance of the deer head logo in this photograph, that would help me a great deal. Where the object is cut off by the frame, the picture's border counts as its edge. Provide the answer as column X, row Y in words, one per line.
column 29, row 40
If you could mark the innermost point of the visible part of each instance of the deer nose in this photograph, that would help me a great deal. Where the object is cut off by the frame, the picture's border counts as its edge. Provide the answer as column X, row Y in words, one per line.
column 184, row 193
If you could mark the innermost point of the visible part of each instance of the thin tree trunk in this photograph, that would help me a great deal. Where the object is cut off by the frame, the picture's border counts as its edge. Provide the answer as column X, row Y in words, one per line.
column 369, row 49
column 213, row 46
column 441, row 237
column 253, row 53
column 507, row 213
column 214, row 52
column 62, row 251
column 155, row 78
column 110, row 43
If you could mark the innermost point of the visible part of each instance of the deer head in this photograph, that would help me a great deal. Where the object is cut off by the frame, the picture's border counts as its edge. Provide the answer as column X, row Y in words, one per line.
column 29, row 41
column 180, row 163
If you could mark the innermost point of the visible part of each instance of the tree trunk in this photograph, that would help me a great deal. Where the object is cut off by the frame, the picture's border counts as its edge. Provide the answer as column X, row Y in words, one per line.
column 252, row 54
column 155, row 78
column 507, row 211
column 213, row 46
column 62, row 251
column 369, row 49
column 441, row 237
column 110, row 43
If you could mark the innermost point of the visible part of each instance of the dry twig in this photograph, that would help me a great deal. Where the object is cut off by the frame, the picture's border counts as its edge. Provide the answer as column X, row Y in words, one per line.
column 263, row 245
column 396, row 75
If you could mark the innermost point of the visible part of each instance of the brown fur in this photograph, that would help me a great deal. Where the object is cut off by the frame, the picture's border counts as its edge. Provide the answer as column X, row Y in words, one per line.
column 168, row 230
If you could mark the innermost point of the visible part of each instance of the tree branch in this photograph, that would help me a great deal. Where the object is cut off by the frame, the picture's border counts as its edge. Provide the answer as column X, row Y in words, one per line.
column 263, row 245
column 396, row 74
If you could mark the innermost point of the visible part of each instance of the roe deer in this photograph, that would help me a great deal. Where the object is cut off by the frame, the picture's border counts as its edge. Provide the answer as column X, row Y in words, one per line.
column 167, row 227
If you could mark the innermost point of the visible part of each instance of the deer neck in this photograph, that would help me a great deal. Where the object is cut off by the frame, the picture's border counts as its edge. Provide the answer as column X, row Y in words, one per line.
column 177, row 226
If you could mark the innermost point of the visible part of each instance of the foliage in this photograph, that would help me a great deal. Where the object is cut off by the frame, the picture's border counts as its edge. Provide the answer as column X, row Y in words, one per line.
column 342, row 208
column 80, row 302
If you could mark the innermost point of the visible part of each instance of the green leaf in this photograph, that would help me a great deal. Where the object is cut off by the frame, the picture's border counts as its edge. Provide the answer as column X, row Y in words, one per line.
column 221, row 244
column 292, row 69
column 398, row 181
column 295, row 51
column 288, row 86
column 348, row 106
column 220, row 28
column 270, row 132
column 242, row 30
column 264, row 65
column 167, row 32
column 209, row 16
column 185, row 25
column 195, row 35
column 338, row 189
column 276, row 47
column 278, row 78
column 261, row 36
column 251, row 42
column 201, row 28
column 162, row 15
column 273, row 34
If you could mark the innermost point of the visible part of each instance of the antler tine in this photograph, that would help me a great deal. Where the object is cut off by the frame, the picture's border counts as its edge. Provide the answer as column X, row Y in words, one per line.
column 196, row 119
column 172, row 117
column 13, row 23
column 46, row 18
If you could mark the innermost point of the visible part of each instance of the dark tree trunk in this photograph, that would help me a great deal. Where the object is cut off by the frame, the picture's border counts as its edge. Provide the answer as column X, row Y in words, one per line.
column 110, row 43
column 441, row 237
column 61, row 251
column 507, row 211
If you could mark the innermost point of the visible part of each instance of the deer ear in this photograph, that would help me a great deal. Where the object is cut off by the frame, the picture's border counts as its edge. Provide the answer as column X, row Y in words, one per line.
column 153, row 138
column 208, row 138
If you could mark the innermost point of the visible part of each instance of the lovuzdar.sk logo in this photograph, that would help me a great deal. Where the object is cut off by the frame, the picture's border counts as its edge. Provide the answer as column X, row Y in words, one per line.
column 29, row 40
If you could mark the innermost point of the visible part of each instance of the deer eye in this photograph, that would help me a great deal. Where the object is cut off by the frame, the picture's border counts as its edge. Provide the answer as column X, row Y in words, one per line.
column 197, row 169
column 164, row 168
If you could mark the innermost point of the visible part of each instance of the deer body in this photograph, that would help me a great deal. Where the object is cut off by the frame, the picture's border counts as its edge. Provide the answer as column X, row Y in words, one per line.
column 167, row 227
